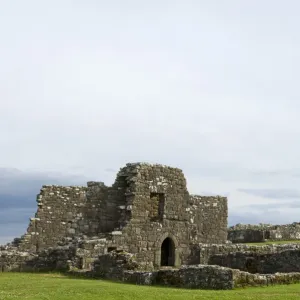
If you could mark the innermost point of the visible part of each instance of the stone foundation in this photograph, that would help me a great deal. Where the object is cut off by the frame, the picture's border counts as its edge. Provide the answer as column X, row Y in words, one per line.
column 244, row 279
column 192, row 277
column 122, row 266
column 268, row 259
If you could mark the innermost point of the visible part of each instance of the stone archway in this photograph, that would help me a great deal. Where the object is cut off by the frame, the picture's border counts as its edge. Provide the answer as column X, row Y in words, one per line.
column 167, row 253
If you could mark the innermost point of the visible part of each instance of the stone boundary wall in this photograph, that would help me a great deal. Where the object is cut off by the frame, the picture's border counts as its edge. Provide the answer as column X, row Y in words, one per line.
column 254, row 259
column 15, row 261
column 123, row 267
column 259, row 233
column 206, row 251
column 245, row 279
column 191, row 277
column 208, row 277
column 53, row 259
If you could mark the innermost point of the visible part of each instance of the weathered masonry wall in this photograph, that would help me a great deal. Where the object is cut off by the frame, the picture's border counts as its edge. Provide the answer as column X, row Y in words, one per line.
column 208, row 216
column 264, row 263
column 260, row 233
column 191, row 277
column 206, row 251
column 158, row 206
column 53, row 259
column 66, row 212
column 58, row 208
column 154, row 209
column 267, row 259
column 208, row 277
column 147, row 205
column 122, row 267
column 247, row 236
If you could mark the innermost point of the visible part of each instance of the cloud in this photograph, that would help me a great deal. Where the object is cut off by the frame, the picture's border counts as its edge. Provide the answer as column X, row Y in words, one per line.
column 147, row 92
column 273, row 193
column 272, row 215
column 279, row 205
column 244, row 218
column 100, row 85
column 293, row 172
column 111, row 170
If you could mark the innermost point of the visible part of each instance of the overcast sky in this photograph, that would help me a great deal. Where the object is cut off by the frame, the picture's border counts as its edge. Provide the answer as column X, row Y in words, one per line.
column 207, row 86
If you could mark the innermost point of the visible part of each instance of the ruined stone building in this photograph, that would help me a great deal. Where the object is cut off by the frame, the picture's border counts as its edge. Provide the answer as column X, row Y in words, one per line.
column 148, row 211
column 145, row 221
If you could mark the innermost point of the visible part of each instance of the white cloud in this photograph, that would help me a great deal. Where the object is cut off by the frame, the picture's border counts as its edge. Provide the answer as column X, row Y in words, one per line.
column 209, row 87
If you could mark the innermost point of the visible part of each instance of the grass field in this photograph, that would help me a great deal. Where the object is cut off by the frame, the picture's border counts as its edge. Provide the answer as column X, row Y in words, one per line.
column 58, row 287
column 274, row 242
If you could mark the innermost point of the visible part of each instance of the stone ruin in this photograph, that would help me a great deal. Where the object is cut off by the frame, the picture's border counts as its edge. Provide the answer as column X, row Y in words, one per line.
column 241, row 233
column 146, row 229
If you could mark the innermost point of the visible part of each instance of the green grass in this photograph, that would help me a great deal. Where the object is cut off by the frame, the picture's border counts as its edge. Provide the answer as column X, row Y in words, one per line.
column 59, row 287
column 274, row 242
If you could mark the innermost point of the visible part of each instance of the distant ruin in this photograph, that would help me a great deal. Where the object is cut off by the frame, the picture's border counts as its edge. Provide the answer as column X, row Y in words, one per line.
column 146, row 229
column 241, row 233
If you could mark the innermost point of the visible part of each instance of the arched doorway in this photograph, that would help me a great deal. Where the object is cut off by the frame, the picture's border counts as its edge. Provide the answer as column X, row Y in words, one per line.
column 167, row 252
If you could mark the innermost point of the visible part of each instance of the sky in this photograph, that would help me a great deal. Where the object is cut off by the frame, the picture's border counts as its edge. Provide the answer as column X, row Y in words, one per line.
column 210, row 87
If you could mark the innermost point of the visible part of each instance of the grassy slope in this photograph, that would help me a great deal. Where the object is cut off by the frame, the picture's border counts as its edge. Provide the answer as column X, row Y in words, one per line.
column 57, row 287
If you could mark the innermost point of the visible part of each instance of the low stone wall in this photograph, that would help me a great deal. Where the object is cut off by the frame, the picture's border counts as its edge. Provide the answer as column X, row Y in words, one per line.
column 287, row 261
column 15, row 261
column 254, row 259
column 52, row 259
column 121, row 266
column 69, row 254
column 193, row 277
column 205, row 251
column 247, row 236
column 244, row 279
column 208, row 277
column 112, row 265
column 259, row 233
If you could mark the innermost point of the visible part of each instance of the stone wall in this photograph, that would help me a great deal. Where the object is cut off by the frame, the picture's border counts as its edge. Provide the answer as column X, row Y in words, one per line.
column 192, row 277
column 122, row 266
column 208, row 217
column 253, row 259
column 53, row 259
column 73, row 211
column 259, row 233
column 146, row 205
column 208, row 277
column 244, row 279
column 13, row 260
column 63, row 211
column 247, row 236
column 158, row 206
column 113, row 264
